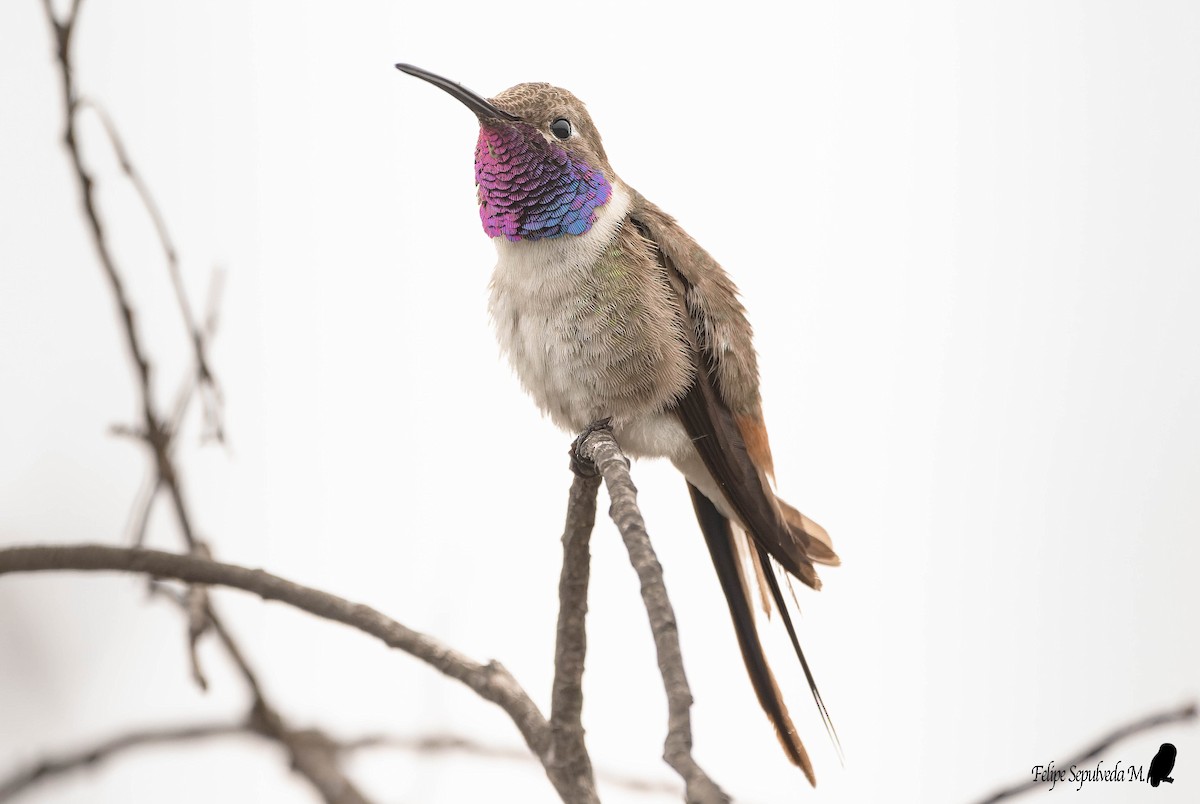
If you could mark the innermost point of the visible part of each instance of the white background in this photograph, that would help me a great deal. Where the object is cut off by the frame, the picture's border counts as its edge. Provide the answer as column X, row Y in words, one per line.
column 967, row 237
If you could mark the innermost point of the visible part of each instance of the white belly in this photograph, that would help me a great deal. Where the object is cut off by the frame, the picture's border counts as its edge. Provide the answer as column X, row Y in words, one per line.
column 585, row 349
column 534, row 296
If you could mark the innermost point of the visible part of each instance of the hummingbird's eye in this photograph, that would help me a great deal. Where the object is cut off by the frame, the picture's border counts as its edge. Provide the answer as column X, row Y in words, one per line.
column 561, row 128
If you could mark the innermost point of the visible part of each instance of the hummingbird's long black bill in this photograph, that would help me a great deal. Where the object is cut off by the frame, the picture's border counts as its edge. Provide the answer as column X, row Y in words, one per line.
column 475, row 103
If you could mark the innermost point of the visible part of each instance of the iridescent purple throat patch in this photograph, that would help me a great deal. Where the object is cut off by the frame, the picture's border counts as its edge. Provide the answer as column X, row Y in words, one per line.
column 530, row 189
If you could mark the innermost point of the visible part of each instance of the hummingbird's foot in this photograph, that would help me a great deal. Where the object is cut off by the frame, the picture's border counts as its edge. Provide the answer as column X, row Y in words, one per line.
column 581, row 466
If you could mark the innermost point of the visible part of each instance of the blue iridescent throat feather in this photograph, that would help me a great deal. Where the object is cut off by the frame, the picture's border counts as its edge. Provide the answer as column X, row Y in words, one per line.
column 530, row 189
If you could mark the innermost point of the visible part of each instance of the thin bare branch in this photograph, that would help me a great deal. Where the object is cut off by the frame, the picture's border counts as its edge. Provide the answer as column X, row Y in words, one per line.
column 114, row 747
column 63, row 30
column 200, row 620
column 440, row 743
column 569, row 754
column 139, row 512
column 195, row 606
column 313, row 755
column 214, row 425
column 1181, row 714
column 57, row 766
column 491, row 681
column 320, row 768
column 597, row 446
column 210, row 389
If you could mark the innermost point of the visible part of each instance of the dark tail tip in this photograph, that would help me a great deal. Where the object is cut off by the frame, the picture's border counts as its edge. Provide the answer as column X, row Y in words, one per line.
column 719, row 536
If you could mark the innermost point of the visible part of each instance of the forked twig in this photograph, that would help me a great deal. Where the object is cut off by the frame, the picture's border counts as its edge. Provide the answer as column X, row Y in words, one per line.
column 596, row 445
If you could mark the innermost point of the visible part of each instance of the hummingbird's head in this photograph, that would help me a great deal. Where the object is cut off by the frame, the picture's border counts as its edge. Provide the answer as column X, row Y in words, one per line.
column 540, row 167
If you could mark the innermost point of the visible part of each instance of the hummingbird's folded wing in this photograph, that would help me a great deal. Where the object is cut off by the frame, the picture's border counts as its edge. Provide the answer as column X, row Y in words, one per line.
column 721, row 410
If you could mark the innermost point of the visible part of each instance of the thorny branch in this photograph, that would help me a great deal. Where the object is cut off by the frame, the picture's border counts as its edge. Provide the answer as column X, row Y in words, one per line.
column 597, row 446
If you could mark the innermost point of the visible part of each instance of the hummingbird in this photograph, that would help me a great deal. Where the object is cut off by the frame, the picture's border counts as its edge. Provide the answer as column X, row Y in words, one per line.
column 607, row 309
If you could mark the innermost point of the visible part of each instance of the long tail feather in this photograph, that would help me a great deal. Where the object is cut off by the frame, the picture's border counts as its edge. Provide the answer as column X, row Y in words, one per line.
column 720, row 538
column 781, row 604
column 750, row 566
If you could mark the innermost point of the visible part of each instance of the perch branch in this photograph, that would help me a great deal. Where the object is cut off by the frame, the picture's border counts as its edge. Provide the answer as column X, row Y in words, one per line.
column 568, row 752
column 597, row 446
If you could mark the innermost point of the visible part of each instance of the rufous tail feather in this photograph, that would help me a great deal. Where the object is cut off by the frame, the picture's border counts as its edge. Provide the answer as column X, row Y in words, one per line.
column 819, row 547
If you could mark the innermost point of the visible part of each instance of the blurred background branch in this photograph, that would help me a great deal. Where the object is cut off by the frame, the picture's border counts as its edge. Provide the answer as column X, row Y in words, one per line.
column 1180, row 714
column 117, row 746
column 158, row 431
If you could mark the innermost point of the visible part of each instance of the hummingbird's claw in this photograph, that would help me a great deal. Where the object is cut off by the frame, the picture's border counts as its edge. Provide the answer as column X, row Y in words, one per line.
column 581, row 466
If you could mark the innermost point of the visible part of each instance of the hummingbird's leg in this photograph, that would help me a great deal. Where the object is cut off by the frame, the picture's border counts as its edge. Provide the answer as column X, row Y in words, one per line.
column 582, row 466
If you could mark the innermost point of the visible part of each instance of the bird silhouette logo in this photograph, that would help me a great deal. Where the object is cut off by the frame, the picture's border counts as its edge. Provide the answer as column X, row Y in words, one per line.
column 1161, row 765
